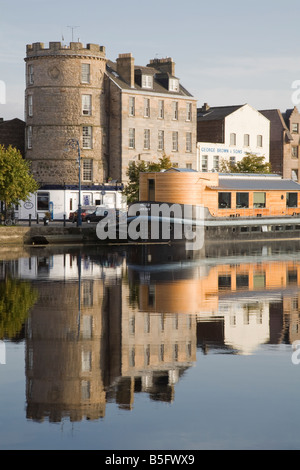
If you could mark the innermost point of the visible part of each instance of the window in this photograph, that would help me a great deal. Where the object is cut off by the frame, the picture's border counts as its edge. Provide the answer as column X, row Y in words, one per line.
column 204, row 165
column 131, row 106
column 146, row 107
column 161, row 139
column 30, row 105
column 30, row 75
column 146, row 139
column 43, row 201
column 259, row 141
column 216, row 162
column 242, row 281
column 291, row 199
column 29, row 137
column 175, row 110
column 232, row 139
column 147, row 81
column 85, row 73
column 188, row 142
column 87, row 137
column 242, row 200
column 224, row 200
column 173, row 84
column 175, row 141
column 232, row 160
column 224, row 281
column 259, row 200
column 295, row 128
column 189, row 166
column 246, row 140
column 189, row 111
column 86, row 101
column 295, row 175
column 131, row 138
column 294, row 152
column 161, row 112
column 86, row 361
column 87, row 174
column 151, row 190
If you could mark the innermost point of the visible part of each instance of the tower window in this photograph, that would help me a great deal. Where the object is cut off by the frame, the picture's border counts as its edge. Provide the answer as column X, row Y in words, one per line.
column 85, row 73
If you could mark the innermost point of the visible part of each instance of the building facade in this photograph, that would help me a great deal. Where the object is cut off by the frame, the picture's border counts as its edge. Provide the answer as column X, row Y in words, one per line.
column 150, row 115
column 116, row 112
column 228, row 133
column 12, row 132
column 284, row 142
column 64, row 99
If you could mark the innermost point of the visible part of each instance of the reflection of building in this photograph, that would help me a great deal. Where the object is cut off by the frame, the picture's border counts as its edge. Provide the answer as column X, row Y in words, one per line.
column 236, row 305
column 86, row 343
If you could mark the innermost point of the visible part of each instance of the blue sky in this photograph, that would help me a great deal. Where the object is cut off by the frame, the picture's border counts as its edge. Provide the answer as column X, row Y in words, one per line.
column 226, row 52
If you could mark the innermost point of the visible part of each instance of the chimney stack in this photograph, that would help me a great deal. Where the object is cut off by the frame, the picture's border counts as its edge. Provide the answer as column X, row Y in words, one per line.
column 125, row 68
column 166, row 65
column 205, row 107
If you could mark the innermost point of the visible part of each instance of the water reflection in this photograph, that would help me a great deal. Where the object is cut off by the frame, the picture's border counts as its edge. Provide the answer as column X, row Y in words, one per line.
column 108, row 324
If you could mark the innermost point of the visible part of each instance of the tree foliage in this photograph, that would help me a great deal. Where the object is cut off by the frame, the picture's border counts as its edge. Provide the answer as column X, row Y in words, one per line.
column 16, row 299
column 133, row 172
column 16, row 181
column 251, row 163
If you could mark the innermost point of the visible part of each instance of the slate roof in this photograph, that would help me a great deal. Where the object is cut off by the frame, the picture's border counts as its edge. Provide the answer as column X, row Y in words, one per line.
column 111, row 70
column 259, row 184
column 181, row 170
column 216, row 113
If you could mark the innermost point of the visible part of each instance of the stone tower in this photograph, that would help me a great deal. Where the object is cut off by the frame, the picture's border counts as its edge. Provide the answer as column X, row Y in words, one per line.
column 64, row 99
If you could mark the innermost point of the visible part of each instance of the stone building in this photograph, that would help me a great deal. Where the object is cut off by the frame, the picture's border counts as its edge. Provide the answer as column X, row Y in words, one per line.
column 117, row 112
column 64, row 100
column 12, row 133
column 284, row 142
column 150, row 115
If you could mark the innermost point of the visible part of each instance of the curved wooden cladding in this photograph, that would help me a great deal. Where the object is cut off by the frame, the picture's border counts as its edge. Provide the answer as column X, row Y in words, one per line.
column 175, row 187
column 202, row 189
column 202, row 294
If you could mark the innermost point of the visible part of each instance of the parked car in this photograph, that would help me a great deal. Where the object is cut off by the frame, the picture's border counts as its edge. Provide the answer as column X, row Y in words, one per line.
column 100, row 213
column 85, row 211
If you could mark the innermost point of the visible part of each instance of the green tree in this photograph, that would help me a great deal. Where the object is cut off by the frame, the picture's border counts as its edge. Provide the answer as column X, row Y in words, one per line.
column 133, row 173
column 16, row 181
column 251, row 163
column 16, row 299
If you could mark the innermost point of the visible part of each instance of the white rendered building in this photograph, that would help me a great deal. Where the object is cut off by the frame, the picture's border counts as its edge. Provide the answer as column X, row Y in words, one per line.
column 229, row 133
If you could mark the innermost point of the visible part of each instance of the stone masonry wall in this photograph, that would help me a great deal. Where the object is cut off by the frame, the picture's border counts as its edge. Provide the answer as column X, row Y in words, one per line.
column 56, row 112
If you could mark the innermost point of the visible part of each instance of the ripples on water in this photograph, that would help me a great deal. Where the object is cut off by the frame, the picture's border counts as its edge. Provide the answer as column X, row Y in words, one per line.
column 127, row 328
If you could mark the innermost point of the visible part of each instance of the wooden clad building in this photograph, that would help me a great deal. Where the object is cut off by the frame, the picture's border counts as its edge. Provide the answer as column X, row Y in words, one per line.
column 224, row 195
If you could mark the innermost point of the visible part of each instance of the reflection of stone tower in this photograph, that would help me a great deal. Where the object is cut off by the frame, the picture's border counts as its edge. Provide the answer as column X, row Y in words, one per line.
column 64, row 356
column 64, row 99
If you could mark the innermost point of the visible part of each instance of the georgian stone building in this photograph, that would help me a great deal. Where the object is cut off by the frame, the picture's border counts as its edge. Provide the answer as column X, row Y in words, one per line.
column 150, row 115
column 117, row 112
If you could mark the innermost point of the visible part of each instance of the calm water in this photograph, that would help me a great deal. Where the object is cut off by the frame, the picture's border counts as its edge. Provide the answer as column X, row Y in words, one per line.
column 150, row 347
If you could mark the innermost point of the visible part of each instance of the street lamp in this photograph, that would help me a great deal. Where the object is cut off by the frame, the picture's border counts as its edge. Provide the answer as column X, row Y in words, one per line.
column 74, row 143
